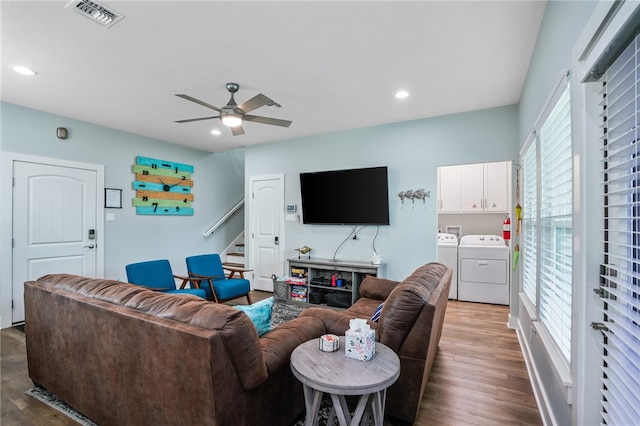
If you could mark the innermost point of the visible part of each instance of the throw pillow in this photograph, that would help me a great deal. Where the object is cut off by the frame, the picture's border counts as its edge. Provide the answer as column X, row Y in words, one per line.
column 376, row 314
column 260, row 314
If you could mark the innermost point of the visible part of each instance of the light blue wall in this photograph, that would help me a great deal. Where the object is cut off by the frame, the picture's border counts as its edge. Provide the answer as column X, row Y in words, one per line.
column 562, row 23
column 218, row 186
column 412, row 151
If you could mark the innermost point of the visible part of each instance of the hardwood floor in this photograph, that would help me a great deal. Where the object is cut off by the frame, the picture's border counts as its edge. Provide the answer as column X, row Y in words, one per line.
column 479, row 375
column 478, row 378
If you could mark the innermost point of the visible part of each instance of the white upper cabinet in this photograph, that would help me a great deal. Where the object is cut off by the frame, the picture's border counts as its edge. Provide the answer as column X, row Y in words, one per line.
column 449, row 189
column 472, row 194
column 496, row 187
column 474, row 188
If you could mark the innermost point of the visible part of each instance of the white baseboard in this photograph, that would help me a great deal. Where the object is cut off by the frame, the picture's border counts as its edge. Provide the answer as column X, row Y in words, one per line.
column 542, row 399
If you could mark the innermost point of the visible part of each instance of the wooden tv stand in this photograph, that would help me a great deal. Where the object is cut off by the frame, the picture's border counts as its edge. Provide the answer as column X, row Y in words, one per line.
column 316, row 269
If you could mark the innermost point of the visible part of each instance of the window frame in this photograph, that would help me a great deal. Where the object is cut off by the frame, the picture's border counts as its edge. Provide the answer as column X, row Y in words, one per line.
column 555, row 356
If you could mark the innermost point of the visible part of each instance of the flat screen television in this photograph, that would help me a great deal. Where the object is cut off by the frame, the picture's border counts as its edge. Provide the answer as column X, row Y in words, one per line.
column 345, row 197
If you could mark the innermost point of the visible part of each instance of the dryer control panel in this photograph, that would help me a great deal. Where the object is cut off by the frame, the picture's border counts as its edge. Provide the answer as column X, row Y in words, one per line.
column 482, row 240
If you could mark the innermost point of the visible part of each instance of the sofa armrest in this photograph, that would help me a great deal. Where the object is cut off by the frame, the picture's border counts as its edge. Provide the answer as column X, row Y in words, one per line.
column 335, row 322
column 278, row 344
column 377, row 288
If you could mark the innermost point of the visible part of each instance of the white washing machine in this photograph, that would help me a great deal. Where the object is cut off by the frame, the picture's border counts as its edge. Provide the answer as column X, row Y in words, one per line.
column 448, row 255
column 483, row 269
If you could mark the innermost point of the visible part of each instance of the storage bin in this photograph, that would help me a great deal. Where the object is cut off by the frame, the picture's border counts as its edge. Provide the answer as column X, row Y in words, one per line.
column 280, row 289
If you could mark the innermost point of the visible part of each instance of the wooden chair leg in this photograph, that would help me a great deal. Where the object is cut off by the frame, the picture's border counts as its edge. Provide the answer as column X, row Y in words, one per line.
column 249, row 299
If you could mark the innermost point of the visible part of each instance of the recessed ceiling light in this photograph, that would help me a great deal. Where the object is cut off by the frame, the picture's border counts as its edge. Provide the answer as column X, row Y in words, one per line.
column 216, row 132
column 402, row 94
column 21, row 69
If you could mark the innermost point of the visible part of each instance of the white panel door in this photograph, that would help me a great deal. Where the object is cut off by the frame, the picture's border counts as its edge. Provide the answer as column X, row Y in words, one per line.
column 267, row 220
column 54, row 213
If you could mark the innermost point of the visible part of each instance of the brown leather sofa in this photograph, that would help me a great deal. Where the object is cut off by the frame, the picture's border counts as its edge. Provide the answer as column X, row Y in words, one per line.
column 125, row 355
column 410, row 323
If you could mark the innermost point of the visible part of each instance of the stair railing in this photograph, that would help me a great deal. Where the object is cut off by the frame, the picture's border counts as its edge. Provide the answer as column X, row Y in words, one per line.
column 212, row 229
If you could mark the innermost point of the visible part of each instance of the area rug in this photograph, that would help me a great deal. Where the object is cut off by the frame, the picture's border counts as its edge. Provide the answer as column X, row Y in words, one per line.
column 52, row 401
column 284, row 311
column 325, row 411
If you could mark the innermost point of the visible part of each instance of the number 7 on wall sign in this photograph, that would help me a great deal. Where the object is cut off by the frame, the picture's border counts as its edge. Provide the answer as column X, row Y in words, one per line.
column 162, row 187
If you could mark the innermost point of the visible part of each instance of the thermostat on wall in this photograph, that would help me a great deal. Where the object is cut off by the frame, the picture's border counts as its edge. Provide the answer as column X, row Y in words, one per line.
column 291, row 208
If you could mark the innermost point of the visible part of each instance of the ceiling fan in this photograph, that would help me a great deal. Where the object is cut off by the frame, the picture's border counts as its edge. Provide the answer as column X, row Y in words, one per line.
column 233, row 115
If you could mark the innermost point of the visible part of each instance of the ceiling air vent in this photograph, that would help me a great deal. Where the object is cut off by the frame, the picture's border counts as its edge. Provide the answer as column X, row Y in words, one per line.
column 96, row 12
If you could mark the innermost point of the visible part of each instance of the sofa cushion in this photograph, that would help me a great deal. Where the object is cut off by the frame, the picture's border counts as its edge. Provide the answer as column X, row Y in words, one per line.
column 376, row 288
column 260, row 314
column 363, row 308
column 405, row 303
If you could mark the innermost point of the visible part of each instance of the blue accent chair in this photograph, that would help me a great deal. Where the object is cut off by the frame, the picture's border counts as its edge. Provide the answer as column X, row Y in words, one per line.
column 157, row 275
column 210, row 270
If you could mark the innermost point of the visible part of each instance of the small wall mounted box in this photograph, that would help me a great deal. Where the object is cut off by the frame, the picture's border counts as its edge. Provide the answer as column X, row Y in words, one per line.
column 291, row 208
column 62, row 133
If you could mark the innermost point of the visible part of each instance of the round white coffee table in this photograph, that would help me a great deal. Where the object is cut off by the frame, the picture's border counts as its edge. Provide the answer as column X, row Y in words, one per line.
column 337, row 375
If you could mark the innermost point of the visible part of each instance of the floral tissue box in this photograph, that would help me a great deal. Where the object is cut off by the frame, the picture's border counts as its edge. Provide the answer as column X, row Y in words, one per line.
column 360, row 340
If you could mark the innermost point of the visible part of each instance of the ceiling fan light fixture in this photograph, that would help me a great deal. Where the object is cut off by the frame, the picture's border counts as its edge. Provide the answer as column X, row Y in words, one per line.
column 233, row 115
column 231, row 120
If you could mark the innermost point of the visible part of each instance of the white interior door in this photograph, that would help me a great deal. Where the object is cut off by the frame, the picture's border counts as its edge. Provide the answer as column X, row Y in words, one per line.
column 266, row 221
column 54, row 224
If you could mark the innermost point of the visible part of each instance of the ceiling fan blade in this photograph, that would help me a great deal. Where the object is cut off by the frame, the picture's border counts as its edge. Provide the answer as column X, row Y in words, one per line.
column 255, row 102
column 198, row 101
column 196, row 119
column 267, row 120
column 237, row 130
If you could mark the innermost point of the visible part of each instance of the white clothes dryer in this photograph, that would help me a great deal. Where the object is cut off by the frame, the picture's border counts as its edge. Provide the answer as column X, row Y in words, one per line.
column 483, row 269
column 448, row 255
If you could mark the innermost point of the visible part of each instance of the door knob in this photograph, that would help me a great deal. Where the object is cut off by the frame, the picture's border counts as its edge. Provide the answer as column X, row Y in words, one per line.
column 90, row 246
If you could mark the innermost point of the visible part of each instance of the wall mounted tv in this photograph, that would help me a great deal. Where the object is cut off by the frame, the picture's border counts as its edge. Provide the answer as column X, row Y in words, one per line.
column 345, row 197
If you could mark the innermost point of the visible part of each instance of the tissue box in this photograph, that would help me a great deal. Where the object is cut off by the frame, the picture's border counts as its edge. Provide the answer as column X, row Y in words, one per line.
column 360, row 345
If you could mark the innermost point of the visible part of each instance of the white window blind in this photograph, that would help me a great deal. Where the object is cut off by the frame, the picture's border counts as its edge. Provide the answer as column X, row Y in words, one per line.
column 547, row 221
column 556, row 207
column 529, row 222
column 620, row 279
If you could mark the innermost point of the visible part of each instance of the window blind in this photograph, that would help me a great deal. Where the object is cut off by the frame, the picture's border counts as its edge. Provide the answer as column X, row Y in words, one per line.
column 529, row 223
column 547, row 221
column 620, row 277
column 555, row 235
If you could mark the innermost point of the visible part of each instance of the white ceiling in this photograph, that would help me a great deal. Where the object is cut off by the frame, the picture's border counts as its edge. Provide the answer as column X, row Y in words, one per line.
column 332, row 65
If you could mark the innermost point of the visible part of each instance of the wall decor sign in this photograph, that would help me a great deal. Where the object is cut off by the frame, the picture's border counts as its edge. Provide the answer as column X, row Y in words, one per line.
column 162, row 187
